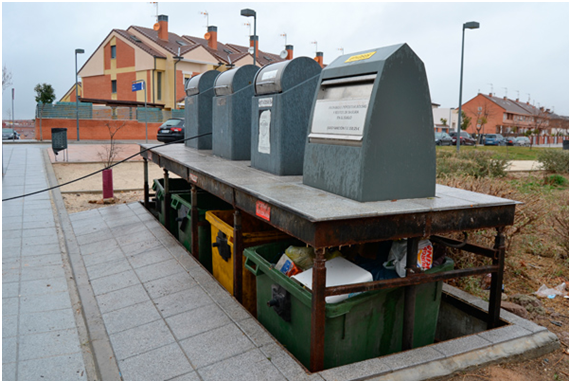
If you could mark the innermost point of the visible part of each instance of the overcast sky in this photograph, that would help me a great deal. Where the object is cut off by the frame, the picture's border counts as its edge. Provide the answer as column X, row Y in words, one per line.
column 520, row 47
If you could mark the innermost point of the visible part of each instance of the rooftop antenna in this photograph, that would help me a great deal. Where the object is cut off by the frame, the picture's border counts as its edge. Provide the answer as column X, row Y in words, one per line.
column 156, row 4
column 491, row 88
column 342, row 50
column 506, row 94
column 528, row 97
column 249, row 28
column 517, row 94
column 205, row 13
column 315, row 42
column 284, row 35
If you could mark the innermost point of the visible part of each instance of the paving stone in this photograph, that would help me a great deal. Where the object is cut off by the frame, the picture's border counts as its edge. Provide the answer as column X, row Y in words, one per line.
column 140, row 339
column 42, row 260
column 526, row 324
column 31, row 273
column 130, row 317
column 411, row 358
column 197, row 321
column 502, row 334
column 216, row 345
column 286, row 364
column 98, row 247
column 10, row 306
column 42, row 286
column 118, row 299
column 182, row 301
column 102, row 257
column 57, row 368
column 121, row 231
column 39, row 240
column 37, row 250
column 249, row 366
column 114, row 222
column 11, row 274
column 40, row 232
column 114, row 282
column 8, row 242
column 9, row 349
column 149, row 257
column 356, row 371
column 232, row 308
column 256, row 332
column 45, row 302
column 95, row 236
column 39, row 224
column 163, row 363
column 191, row 376
column 9, row 372
column 47, row 344
column 111, row 267
column 159, row 270
column 12, row 252
column 9, row 326
column 134, row 238
column 46, row 321
column 460, row 345
column 169, row 285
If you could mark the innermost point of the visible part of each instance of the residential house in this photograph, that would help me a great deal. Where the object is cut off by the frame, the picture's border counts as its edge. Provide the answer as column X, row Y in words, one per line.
column 445, row 119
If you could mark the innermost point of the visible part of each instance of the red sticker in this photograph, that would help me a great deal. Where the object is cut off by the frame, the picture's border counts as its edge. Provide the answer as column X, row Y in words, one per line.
column 263, row 210
column 192, row 177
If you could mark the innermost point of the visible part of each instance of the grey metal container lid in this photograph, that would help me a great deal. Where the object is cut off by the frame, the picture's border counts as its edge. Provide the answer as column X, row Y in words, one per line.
column 282, row 76
column 201, row 82
column 234, row 80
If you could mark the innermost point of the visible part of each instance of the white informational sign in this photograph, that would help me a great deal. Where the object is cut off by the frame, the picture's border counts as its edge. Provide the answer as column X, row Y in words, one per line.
column 340, row 117
column 269, row 75
column 265, row 102
column 264, row 132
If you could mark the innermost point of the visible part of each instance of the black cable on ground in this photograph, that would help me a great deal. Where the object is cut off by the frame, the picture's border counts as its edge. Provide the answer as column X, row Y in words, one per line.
column 108, row 167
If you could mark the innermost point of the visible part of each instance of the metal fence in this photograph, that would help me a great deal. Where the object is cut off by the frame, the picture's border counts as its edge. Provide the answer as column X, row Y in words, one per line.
column 88, row 111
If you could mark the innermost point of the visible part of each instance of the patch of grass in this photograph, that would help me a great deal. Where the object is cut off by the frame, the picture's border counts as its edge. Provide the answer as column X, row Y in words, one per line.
column 556, row 161
column 512, row 153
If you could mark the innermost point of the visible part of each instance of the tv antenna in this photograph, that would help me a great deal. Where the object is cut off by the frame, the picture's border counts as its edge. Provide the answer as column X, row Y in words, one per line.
column 491, row 88
column 205, row 13
column 156, row 15
column 315, row 42
column 284, row 35
column 249, row 28
column 342, row 50
column 506, row 93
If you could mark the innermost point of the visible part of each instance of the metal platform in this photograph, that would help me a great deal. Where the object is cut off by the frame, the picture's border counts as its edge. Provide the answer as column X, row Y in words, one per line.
column 323, row 220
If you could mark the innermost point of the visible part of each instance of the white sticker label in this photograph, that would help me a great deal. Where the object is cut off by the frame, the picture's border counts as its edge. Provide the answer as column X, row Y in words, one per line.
column 343, row 117
column 269, row 75
column 264, row 132
column 265, row 102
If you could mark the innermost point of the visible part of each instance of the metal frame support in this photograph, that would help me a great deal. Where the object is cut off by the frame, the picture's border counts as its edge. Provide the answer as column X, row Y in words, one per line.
column 167, row 203
column 497, row 280
column 194, row 219
column 146, row 183
column 237, row 256
column 409, row 295
column 317, row 338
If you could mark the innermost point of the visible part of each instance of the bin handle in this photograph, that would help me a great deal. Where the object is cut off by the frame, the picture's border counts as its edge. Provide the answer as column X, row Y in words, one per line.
column 175, row 203
column 252, row 267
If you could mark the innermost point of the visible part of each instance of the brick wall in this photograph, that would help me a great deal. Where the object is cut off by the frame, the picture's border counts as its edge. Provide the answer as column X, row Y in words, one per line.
column 125, row 54
column 96, row 129
column 124, row 86
column 98, row 87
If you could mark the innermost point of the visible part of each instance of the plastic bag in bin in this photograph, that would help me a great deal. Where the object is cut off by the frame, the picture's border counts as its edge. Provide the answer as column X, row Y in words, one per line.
column 397, row 256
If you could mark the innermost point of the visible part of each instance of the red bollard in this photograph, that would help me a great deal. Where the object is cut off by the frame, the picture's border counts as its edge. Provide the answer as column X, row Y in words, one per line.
column 107, row 183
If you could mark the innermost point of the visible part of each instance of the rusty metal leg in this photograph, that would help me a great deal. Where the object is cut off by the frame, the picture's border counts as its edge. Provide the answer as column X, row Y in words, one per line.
column 194, row 220
column 317, row 338
column 497, row 280
column 237, row 256
column 409, row 296
column 146, row 183
column 167, row 201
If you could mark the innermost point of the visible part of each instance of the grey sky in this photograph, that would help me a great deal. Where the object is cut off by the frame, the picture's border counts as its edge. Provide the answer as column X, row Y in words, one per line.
column 520, row 46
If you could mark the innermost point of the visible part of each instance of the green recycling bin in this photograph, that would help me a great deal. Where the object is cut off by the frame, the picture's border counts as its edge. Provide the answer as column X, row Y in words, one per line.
column 361, row 327
column 176, row 186
column 182, row 206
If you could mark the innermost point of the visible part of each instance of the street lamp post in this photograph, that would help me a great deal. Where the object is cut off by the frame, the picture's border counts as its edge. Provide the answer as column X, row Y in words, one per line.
column 246, row 12
column 468, row 25
column 177, row 59
column 76, row 94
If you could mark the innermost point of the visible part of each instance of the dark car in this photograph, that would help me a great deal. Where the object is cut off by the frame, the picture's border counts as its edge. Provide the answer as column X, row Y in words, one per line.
column 510, row 141
column 10, row 134
column 465, row 139
column 522, row 141
column 442, row 139
column 171, row 130
column 494, row 139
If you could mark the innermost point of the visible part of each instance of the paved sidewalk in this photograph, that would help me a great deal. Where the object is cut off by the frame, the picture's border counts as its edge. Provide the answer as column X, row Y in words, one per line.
column 40, row 339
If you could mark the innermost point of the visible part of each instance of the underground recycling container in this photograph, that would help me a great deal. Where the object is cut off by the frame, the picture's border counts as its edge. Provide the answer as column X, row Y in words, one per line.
column 361, row 327
column 254, row 233
column 176, row 186
column 182, row 205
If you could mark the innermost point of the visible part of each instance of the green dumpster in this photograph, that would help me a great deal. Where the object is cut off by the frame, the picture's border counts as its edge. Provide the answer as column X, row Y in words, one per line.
column 176, row 186
column 364, row 326
column 182, row 206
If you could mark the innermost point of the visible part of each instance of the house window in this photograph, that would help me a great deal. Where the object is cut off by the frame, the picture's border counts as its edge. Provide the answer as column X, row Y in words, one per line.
column 113, row 86
column 159, row 85
column 113, row 51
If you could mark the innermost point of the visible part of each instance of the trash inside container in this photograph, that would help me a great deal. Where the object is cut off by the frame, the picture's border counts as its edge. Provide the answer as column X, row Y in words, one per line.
column 361, row 327
column 254, row 232
column 182, row 205
column 176, row 186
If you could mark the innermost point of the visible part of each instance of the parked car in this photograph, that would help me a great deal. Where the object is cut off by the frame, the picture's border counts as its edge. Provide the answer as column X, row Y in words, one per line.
column 494, row 139
column 171, row 130
column 442, row 139
column 522, row 141
column 465, row 139
column 510, row 141
column 10, row 134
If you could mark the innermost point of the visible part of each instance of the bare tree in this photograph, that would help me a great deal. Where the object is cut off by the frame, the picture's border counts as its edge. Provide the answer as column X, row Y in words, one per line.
column 111, row 150
column 482, row 114
column 6, row 78
column 540, row 122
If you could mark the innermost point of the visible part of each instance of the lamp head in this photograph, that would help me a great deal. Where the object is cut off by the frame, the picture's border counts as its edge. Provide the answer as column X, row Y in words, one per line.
column 79, row 50
column 248, row 12
column 472, row 25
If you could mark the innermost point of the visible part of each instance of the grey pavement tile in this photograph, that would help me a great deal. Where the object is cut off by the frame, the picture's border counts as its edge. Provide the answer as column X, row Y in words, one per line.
column 163, row 363
column 11, row 211
column 461, row 345
column 249, row 366
column 11, row 252
column 519, row 321
column 10, row 289
column 190, row 377
column 159, row 270
column 103, row 257
column 10, row 306
column 47, row 344
column 187, row 261
column 58, row 368
column 140, row 339
column 8, row 242
column 256, row 332
column 9, row 326
column 31, row 273
column 42, row 286
column 411, row 358
column 150, row 256
column 118, row 299
column 356, row 371
column 216, row 345
column 115, row 222
column 46, row 302
column 38, row 240
column 35, row 250
column 39, row 224
column 232, row 308
column 98, row 247
column 95, row 236
column 9, row 349
column 131, row 316
column 128, row 240
column 15, row 222
column 9, row 372
column 114, row 282
column 89, row 226
column 125, row 230
column 11, row 273
column 111, row 267
column 84, row 215
column 145, row 245
column 502, row 334
column 169, row 285
column 287, row 365
column 39, row 232
column 42, row 260
column 197, row 321
column 46, row 321
column 39, row 215
column 11, row 232
column 182, row 301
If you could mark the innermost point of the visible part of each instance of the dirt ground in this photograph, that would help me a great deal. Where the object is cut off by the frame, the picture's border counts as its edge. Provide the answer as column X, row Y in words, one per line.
column 128, row 176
